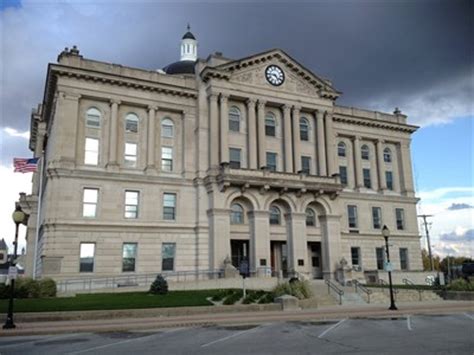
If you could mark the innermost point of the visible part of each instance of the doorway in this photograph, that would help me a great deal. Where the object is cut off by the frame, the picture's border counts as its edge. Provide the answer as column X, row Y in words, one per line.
column 314, row 257
column 239, row 250
column 279, row 258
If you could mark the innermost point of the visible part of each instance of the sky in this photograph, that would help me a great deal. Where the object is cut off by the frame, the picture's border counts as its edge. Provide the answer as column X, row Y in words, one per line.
column 415, row 55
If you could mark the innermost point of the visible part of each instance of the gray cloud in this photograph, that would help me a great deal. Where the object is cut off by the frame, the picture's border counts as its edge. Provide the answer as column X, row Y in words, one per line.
column 459, row 206
column 415, row 55
column 466, row 237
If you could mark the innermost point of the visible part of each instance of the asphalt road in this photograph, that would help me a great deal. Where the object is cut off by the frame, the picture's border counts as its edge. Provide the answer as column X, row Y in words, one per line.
column 420, row 334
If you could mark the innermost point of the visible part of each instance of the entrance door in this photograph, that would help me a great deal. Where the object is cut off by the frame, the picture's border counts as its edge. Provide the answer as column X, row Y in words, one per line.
column 279, row 258
column 239, row 250
column 314, row 253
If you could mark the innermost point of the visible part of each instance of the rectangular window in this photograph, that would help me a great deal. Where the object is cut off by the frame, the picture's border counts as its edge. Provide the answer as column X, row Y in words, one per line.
column 355, row 255
column 380, row 256
column 306, row 164
column 89, row 202
column 131, row 204
column 234, row 158
column 129, row 256
column 376, row 217
column 87, row 257
column 404, row 258
column 168, row 252
column 91, row 156
column 131, row 155
column 343, row 174
column 166, row 158
column 389, row 179
column 400, row 217
column 271, row 161
column 352, row 216
column 169, row 206
column 367, row 182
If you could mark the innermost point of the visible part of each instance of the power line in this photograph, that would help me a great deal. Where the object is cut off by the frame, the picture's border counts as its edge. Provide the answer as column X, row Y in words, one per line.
column 424, row 216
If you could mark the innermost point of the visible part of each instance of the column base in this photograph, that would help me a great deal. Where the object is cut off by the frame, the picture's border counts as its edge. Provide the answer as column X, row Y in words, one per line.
column 151, row 170
column 114, row 167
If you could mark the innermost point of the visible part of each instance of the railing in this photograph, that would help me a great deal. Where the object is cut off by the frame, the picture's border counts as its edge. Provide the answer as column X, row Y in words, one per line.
column 384, row 284
column 333, row 286
column 410, row 283
column 138, row 280
column 358, row 286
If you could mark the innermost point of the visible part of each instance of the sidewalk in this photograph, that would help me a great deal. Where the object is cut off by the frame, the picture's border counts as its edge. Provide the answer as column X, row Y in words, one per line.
column 108, row 324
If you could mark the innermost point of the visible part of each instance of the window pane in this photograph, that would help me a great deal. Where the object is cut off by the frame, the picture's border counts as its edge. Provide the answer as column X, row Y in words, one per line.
column 130, row 148
column 352, row 216
column 367, row 182
column 167, row 128
column 167, row 153
column 234, row 119
column 341, row 149
column 403, row 258
column 129, row 253
column 90, row 195
column 343, row 174
column 400, row 216
column 234, row 158
column 270, row 125
column 93, row 118
column 310, row 217
column 389, row 180
column 380, row 255
column 236, row 214
column 304, row 129
column 306, row 164
column 169, row 200
column 131, row 197
column 377, row 217
column 168, row 255
column 89, row 210
column 355, row 255
column 274, row 215
column 131, row 123
column 387, row 155
column 271, row 161
column 91, row 156
column 365, row 152
column 92, row 144
column 86, row 263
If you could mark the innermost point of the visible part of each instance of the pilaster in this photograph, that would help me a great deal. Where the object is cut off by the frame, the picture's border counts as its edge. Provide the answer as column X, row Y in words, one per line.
column 381, row 165
column 321, row 144
column 330, row 145
column 296, row 139
column 288, row 141
column 150, row 164
column 214, row 133
column 331, row 244
column 252, row 137
column 262, row 154
column 260, row 240
column 359, row 181
column 112, row 162
column 224, row 129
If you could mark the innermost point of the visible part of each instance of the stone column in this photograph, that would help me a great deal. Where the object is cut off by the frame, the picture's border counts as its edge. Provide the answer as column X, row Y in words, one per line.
column 65, row 126
column 405, row 169
column 288, row 141
column 297, row 243
column 321, row 144
column 214, row 131
column 381, row 165
column 359, row 181
column 112, row 163
column 224, row 129
column 330, row 145
column 259, row 240
column 330, row 244
column 252, row 137
column 219, row 235
column 150, row 157
column 41, row 131
column 296, row 139
column 262, row 154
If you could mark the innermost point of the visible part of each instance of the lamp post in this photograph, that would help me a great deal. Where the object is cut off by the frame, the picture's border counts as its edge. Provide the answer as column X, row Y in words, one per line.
column 18, row 217
column 386, row 234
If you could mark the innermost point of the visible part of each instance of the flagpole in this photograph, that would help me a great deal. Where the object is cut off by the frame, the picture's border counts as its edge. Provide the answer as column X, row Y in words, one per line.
column 38, row 216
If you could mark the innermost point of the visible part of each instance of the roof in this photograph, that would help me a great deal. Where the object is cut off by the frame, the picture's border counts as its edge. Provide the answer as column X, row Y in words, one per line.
column 3, row 245
column 181, row 67
column 189, row 35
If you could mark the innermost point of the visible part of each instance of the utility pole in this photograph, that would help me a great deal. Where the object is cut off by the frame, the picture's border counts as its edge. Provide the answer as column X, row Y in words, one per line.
column 424, row 216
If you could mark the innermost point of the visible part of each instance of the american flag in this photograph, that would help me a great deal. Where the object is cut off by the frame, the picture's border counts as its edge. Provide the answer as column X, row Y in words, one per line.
column 24, row 165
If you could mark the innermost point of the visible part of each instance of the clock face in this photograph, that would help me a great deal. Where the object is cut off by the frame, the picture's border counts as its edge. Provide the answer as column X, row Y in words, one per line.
column 274, row 75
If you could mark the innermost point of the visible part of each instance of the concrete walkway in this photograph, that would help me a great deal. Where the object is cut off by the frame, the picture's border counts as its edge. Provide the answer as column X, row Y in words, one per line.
column 157, row 322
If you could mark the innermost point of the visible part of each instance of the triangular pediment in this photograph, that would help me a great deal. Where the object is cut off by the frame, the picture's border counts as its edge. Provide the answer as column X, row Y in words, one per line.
column 251, row 71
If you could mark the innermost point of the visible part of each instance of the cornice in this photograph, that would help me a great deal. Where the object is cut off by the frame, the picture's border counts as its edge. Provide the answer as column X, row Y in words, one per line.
column 368, row 122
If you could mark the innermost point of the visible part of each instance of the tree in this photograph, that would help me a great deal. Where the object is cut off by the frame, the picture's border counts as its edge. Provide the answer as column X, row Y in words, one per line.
column 426, row 261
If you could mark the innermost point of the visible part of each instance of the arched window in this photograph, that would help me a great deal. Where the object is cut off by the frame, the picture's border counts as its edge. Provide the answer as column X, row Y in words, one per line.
column 304, row 129
column 275, row 215
column 234, row 119
column 167, row 128
column 270, row 125
column 310, row 217
column 131, row 123
column 93, row 118
column 341, row 149
column 236, row 214
column 365, row 152
column 387, row 155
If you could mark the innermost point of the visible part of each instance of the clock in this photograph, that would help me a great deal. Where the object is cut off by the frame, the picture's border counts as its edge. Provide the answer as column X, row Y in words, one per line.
column 274, row 75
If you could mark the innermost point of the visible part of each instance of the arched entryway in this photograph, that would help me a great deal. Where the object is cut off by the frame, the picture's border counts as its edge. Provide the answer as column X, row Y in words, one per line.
column 240, row 210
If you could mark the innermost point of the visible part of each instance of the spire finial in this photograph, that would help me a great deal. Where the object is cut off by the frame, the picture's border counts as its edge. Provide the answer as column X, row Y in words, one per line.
column 189, row 27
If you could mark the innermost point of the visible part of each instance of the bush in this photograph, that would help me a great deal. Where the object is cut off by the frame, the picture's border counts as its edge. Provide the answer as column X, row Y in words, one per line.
column 461, row 285
column 159, row 286
column 267, row 298
column 234, row 297
column 47, row 288
column 26, row 287
column 221, row 294
column 298, row 289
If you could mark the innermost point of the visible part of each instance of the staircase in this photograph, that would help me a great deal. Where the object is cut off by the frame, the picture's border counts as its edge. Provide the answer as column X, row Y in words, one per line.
column 320, row 294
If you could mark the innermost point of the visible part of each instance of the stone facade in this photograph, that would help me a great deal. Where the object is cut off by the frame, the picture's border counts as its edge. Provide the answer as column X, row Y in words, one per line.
column 192, row 198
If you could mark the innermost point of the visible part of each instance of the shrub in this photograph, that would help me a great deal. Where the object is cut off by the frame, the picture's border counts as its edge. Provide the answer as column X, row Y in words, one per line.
column 4, row 291
column 298, row 289
column 47, row 287
column 234, row 297
column 267, row 298
column 26, row 287
column 461, row 285
column 159, row 286
column 221, row 294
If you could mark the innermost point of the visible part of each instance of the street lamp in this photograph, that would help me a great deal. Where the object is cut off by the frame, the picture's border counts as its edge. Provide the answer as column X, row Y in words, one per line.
column 18, row 217
column 386, row 234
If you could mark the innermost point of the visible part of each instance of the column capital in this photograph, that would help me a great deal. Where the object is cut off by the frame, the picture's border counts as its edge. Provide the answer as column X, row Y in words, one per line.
column 380, row 141
column 296, row 108
column 320, row 114
column 356, row 138
column 223, row 97
column 286, row 108
column 213, row 96
column 70, row 96
column 152, row 107
column 261, row 103
column 115, row 101
column 251, row 102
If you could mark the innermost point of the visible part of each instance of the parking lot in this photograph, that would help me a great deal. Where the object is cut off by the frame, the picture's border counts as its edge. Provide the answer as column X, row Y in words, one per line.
column 420, row 334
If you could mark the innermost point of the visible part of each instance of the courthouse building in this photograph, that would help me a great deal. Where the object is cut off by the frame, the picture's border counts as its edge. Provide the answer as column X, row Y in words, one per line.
column 213, row 161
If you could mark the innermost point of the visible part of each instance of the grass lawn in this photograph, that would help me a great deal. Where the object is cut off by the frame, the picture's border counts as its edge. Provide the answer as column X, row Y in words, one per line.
column 102, row 301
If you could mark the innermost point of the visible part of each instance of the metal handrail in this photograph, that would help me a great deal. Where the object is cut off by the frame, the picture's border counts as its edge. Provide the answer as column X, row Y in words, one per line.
column 333, row 286
column 363, row 288
column 384, row 284
column 410, row 283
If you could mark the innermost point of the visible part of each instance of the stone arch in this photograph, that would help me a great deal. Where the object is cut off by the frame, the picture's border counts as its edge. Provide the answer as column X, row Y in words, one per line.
column 292, row 205
column 320, row 204
column 248, row 196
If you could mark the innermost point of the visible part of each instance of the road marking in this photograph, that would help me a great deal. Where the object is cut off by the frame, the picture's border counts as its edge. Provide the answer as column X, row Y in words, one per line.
column 409, row 323
column 229, row 337
column 468, row 316
column 121, row 342
column 54, row 337
column 332, row 327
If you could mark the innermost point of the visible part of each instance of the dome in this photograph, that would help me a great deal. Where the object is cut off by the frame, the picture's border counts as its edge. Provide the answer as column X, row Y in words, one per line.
column 189, row 35
column 181, row 67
